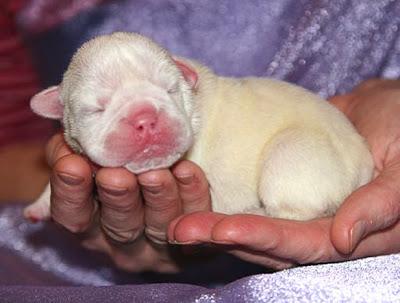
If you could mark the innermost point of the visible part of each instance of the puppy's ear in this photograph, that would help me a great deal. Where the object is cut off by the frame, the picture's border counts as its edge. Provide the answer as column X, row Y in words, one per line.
column 47, row 103
column 188, row 72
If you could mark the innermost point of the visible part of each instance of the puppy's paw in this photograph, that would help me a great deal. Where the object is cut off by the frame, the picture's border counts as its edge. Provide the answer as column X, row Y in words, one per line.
column 40, row 209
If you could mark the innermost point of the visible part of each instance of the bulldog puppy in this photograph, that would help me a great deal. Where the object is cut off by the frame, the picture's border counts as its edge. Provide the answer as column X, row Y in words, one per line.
column 267, row 147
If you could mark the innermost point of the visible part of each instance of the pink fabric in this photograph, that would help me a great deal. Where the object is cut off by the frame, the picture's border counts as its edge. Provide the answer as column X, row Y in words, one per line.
column 18, row 82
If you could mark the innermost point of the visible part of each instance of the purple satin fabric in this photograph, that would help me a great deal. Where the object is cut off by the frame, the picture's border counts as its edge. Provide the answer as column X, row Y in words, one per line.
column 326, row 46
column 45, row 254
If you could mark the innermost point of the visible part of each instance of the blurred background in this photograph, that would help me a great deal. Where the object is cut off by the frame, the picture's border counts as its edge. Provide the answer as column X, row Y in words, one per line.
column 23, row 172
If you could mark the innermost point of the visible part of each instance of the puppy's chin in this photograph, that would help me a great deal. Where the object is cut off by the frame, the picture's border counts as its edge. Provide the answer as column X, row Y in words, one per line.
column 153, row 157
column 152, row 164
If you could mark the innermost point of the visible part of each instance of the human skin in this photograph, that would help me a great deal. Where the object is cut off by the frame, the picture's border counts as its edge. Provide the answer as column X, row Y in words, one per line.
column 141, row 221
column 130, row 227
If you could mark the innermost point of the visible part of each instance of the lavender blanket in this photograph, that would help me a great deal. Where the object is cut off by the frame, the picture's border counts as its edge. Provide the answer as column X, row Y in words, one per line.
column 41, row 263
column 369, row 280
column 48, row 270
column 326, row 46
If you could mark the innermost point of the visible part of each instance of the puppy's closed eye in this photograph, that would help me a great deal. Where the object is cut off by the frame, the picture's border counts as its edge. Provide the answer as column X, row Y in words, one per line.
column 92, row 110
column 173, row 89
column 99, row 107
column 102, row 102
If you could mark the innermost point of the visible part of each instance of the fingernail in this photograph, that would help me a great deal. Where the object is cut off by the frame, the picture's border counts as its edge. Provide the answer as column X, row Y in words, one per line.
column 356, row 233
column 114, row 191
column 70, row 180
column 186, row 179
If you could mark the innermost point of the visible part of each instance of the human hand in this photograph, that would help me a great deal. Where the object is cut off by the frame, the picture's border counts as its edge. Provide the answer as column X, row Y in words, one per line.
column 121, row 214
column 374, row 108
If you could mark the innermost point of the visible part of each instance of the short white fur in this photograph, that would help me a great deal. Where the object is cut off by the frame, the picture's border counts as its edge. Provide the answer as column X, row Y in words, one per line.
column 266, row 146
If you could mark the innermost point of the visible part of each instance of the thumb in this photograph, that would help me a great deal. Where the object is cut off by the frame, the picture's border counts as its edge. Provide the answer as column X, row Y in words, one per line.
column 371, row 208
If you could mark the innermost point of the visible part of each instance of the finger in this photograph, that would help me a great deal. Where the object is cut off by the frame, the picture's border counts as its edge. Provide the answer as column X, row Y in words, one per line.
column 122, row 212
column 72, row 203
column 96, row 240
column 373, row 207
column 302, row 242
column 202, row 232
column 379, row 243
column 162, row 202
column 194, row 228
column 144, row 256
column 265, row 240
column 193, row 187
column 56, row 148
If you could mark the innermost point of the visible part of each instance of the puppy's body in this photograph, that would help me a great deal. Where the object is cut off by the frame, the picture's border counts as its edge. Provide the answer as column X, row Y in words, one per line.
column 266, row 146
column 272, row 148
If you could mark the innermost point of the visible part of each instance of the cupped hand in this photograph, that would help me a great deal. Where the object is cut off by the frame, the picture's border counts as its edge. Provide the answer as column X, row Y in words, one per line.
column 367, row 224
column 121, row 214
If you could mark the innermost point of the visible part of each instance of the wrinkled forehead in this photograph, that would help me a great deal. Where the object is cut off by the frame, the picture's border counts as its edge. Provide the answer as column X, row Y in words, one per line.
column 119, row 61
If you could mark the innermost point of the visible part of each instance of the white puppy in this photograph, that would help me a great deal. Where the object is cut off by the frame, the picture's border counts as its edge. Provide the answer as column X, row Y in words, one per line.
column 266, row 146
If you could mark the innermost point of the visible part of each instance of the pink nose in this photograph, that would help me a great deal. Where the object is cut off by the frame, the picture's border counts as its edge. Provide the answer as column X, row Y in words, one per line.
column 144, row 120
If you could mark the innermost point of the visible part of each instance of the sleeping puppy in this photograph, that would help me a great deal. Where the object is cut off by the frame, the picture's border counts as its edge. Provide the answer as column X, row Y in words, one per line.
column 267, row 147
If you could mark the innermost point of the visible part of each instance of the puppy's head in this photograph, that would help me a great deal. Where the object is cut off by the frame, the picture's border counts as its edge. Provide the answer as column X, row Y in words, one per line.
column 124, row 101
